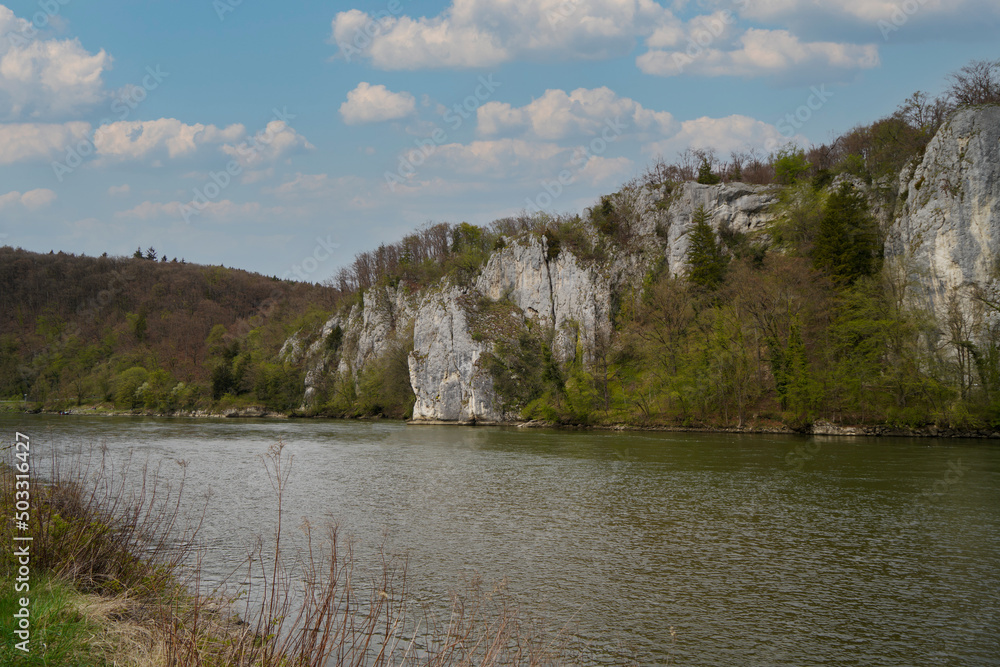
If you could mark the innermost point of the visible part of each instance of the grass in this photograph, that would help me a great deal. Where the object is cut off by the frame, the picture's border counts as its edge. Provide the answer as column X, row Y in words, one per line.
column 116, row 580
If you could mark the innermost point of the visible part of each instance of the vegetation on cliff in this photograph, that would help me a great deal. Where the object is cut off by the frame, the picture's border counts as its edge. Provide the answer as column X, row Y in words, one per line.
column 804, row 320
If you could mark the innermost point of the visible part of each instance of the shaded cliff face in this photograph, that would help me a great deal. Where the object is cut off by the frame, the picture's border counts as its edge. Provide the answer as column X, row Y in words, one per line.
column 947, row 235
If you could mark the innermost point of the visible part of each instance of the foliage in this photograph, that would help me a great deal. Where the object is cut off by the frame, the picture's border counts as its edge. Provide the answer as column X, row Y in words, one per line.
column 790, row 164
column 847, row 243
column 706, row 262
column 705, row 174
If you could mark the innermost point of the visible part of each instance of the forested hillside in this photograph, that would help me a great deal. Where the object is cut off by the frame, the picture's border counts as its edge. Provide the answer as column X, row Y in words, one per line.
column 145, row 334
column 831, row 283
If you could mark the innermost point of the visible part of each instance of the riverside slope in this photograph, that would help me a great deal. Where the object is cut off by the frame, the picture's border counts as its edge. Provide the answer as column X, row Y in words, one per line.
column 947, row 234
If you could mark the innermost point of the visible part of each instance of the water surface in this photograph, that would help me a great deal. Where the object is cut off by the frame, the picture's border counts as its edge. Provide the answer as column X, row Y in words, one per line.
column 877, row 552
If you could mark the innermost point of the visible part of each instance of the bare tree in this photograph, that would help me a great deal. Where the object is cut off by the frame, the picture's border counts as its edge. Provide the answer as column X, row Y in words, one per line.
column 976, row 83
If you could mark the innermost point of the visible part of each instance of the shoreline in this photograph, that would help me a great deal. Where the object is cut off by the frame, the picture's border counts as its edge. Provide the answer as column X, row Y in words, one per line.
column 819, row 427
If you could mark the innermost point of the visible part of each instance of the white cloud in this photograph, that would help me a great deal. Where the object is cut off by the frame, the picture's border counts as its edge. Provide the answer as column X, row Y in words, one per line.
column 302, row 184
column 134, row 139
column 149, row 210
column 721, row 134
column 20, row 142
column 372, row 104
column 760, row 53
column 274, row 142
column 867, row 12
column 224, row 210
column 31, row 200
column 484, row 33
column 599, row 170
column 584, row 112
column 44, row 78
column 116, row 190
column 500, row 158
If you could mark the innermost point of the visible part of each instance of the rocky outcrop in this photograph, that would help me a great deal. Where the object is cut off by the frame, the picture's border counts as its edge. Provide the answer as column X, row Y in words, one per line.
column 738, row 207
column 947, row 236
column 447, row 377
column 367, row 330
column 558, row 292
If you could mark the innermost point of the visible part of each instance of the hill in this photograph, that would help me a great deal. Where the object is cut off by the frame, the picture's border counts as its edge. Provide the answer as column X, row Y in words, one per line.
column 145, row 334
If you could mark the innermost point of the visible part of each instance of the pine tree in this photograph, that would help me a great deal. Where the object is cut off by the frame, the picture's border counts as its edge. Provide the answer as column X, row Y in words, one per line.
column 706, row 263
column 705, row 175
column 847, row 244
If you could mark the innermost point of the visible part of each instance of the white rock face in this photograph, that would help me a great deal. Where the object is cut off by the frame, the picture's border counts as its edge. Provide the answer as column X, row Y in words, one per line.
column 445, row 372
column 368, row 330
column 948, row 233
column 561, row 293
column 737, row 206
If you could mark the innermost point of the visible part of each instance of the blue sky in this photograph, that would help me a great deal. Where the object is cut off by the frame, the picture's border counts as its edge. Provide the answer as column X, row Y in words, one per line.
column 285, row 137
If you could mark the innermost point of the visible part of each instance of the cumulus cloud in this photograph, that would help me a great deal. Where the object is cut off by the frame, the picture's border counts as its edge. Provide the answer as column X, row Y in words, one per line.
column 134, row 139
column 21, row 142
column 483, row 33
column 723, row 135
column 372, row 104
column 275, row 141
column 497, row 158
column 31, row 200
column 808, row 16
column 119, row 190
column 762, row 52
column 583, row 112
column 45, row 78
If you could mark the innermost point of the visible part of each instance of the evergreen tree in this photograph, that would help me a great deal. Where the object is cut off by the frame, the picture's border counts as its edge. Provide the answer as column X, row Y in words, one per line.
column 847, row 244
column 706, row 263
column 705, row 175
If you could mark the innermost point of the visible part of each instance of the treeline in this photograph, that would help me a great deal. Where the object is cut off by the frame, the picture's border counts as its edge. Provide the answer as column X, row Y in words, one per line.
column 144, row 334
column 875, row 152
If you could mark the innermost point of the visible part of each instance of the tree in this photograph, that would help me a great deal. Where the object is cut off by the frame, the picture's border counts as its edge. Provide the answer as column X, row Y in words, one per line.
column 706, row 263
column 705, row 175
column 847, row 244
column 976, row 83
column 138, row 253
column 789, row 164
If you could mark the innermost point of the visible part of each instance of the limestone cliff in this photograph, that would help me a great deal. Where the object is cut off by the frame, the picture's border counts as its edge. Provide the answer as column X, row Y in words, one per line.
column 570, row 298
column 947, row 235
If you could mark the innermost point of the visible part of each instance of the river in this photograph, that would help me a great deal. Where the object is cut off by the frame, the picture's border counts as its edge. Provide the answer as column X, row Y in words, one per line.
column 754, row 549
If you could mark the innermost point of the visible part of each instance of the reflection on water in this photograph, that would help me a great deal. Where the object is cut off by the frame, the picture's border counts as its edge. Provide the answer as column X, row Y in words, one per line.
column 869, row 552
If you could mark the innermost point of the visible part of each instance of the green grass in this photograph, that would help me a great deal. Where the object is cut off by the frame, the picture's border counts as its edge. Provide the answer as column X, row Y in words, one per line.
column 60, row 633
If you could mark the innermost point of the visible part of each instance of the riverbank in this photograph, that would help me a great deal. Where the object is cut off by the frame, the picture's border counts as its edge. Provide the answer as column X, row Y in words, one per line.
column 818, row 427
